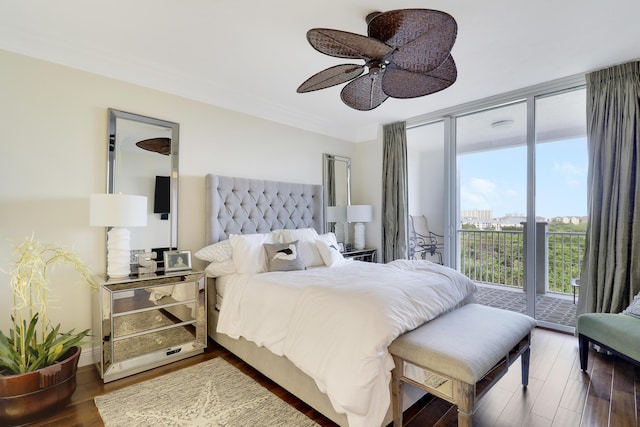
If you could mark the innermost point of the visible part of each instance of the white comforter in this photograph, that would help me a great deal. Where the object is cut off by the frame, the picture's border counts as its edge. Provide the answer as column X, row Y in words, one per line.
column 336, row 323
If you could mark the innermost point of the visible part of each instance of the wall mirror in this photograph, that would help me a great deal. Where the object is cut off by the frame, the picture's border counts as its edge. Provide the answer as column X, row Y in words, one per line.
column 337, row 193
column 143, row 160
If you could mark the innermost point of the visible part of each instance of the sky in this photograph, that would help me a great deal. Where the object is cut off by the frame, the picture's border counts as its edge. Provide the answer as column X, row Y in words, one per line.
column 497, row 179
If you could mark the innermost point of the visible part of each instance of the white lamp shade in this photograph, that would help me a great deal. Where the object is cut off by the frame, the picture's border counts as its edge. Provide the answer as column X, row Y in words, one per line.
column 117, row 210
column 359, row 213
column 336, row 214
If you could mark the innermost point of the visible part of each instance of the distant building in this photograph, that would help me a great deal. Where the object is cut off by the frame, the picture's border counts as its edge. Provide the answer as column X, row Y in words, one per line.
column 569, row 219
column 477, row 213
column 483, row 219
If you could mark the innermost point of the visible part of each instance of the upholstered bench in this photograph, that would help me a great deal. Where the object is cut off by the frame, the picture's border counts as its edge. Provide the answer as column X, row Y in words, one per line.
column 460, row 355
column 617, row 333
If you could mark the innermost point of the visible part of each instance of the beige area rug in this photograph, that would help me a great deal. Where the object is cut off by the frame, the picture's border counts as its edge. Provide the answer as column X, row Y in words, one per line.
column 211, row 394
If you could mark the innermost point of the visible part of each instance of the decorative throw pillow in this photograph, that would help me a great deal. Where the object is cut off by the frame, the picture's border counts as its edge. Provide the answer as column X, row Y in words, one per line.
column 634, row 307
column 283, row 256
column 327, row 245
column 220, row 251
column 248, row 252
column 307, row 240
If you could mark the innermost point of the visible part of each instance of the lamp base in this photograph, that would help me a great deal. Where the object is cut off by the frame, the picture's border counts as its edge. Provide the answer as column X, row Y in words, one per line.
column 358, row 235
column 118, row 252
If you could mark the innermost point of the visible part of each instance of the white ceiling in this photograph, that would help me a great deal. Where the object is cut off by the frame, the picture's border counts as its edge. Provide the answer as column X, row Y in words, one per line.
column 250, row 56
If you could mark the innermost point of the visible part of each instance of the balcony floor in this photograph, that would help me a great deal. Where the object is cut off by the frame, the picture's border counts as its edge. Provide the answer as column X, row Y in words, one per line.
column 550, row 307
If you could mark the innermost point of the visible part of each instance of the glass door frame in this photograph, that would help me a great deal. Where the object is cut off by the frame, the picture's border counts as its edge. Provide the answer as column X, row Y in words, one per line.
column 452, row 208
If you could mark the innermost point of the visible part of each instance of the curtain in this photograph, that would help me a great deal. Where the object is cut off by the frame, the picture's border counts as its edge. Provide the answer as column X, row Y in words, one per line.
column 331, row 181
column 394, row 192
column 609, row 276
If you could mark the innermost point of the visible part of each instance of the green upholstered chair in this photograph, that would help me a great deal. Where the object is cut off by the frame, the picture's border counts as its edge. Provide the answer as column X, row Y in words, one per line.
column 617, row 333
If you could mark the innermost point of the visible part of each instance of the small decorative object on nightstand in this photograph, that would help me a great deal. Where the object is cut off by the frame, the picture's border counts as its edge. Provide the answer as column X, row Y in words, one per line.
column 147, row 263
column 368, row 255
column 177, row 260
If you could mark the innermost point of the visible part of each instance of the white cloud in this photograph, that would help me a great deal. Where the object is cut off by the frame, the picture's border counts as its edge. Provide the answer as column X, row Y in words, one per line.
column 477, row 194
column 483, row 186
column 574, row 175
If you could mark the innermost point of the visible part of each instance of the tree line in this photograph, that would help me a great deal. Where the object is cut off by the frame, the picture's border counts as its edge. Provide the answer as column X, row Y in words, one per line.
column 498, row 256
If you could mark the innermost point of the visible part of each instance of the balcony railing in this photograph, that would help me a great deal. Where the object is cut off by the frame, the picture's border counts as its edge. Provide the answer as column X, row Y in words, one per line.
column 497, row 257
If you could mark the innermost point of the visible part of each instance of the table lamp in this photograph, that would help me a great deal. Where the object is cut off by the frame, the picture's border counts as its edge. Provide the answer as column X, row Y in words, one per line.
column 118, row 211
column 359, row 214
column 338, row 216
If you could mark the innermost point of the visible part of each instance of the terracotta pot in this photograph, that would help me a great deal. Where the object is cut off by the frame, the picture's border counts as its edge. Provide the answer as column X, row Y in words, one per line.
column 28, row 397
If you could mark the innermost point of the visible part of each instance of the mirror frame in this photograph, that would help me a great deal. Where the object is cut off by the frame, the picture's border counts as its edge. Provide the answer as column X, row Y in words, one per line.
column 114, row 115
column 326, row 159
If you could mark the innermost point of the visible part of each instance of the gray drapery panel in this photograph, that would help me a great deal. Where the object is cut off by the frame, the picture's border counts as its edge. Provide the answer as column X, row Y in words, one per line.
column 331, row 182
column 394, row 192
column 609, row 276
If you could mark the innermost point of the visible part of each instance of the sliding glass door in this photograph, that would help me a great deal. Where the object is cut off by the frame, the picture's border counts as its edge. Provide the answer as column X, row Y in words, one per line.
column 560, row 204
column 521, row 198
column 491, row 152
column 504, row 179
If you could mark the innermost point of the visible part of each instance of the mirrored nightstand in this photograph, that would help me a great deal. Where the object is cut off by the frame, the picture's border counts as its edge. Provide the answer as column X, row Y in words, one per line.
column 368, row 255
column 147, row 321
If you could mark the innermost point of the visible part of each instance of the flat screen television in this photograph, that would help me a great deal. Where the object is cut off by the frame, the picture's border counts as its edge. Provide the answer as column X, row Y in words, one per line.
column 162, row 197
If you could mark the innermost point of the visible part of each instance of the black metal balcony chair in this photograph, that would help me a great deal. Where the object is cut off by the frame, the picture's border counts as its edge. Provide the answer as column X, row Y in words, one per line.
column 422, row 241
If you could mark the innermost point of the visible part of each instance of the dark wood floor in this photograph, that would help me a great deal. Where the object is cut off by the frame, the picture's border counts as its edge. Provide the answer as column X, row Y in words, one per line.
column 559, row 393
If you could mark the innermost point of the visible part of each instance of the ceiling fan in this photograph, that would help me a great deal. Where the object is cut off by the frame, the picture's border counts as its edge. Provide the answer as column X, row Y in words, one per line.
column 407, row 54
column 157, row 145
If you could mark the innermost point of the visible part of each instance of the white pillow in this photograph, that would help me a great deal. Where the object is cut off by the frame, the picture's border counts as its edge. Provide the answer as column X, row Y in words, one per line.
column 248, row 252
column 329, row 238
column 328, row 248
column 220, row 268
column 307, row 240
column 220, row 251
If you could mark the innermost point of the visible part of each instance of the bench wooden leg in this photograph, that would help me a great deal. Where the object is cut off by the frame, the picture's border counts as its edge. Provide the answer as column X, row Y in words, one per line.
column 396, row 391
column 465, row 398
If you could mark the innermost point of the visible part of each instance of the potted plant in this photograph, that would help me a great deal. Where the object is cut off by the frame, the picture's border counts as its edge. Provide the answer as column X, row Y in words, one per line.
column 37, row 362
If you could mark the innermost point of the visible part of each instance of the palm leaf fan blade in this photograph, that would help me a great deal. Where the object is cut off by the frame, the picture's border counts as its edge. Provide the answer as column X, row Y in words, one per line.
column 422, row 38
column 364, row 93
column 330, row 77
column 399, row 83
column 343, row 44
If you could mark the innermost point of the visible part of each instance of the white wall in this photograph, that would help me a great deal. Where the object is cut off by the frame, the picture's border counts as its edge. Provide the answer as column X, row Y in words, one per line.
column 53, row 131
column 426, row 174
column 366, row 187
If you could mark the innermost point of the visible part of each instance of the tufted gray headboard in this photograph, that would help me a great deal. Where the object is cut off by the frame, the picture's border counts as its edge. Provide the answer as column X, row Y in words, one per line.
column 246, row 206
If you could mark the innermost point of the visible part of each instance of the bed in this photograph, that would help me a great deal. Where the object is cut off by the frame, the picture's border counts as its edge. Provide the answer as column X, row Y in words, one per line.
column 282, row 298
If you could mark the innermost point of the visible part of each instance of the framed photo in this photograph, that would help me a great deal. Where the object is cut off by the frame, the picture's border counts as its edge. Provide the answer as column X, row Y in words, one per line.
column 177, row 260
